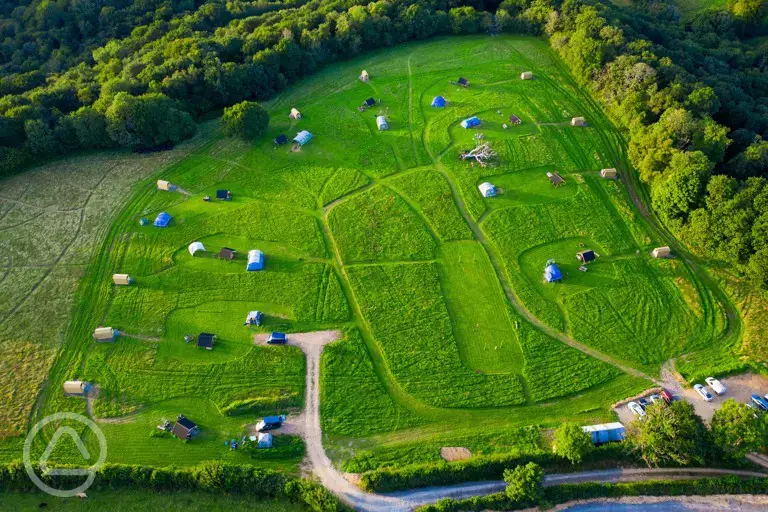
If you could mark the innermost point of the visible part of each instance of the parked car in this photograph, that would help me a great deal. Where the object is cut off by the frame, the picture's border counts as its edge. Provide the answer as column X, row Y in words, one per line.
column 755, row 409
column 636, row 409
column 703, row 393
column 760, row 402
column 655, row 399
column 667, row 396
column 717, row 386
column 277, row 338
column 270, row 423
column 643, row 402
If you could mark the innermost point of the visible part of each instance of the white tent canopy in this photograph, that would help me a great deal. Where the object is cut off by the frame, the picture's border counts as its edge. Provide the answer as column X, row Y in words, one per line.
column 196, row 246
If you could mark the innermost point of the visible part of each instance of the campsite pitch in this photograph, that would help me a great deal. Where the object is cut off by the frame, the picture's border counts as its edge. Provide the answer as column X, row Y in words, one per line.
column 448, row 334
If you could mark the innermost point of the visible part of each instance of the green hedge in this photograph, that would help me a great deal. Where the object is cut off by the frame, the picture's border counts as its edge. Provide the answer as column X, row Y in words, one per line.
column 209, row 477
column 568, row 492
column 486, row 468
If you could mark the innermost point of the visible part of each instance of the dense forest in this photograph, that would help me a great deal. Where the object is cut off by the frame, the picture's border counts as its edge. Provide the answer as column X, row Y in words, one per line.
column 689, row 90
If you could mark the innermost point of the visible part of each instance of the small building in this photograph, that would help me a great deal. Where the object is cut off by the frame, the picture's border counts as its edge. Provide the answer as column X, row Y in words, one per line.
column 206, row 340
column 578, row 121
column 224, row 195
column 270, row 423
column 76, row 388
column 438, row 102
column 381, row 122
column 302, row 137
column 295, row 114
column 227, row 254
column 609, row 174
column 105, row 334
column 470, row 122
column 364, row 76
column 661, row 252
column 195, row 247
column 165, row 185
column 487, row 189
column 255, row 260
column 586, row 256
column 265, row 440
column 513, row 119
column 280, row 139
column 463, row 82
column 162, row 220
column 555, row 178
column 369, row 102
column 184, row 428
column 253, row 318
column 122, row 279
column 526, row 75
column 552, row 273
column 605, row 432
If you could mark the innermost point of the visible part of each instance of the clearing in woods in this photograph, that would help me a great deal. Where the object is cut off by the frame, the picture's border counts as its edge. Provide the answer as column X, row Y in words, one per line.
column 439, row 292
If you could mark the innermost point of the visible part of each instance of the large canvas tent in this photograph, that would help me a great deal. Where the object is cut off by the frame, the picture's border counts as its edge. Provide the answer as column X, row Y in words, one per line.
column 162, row 220
column 487, row 189
column 578, row 121
column 526, row 75
column 470, row 122
column 122, row 279
column 586, row 256
column 302, row 137
column 206, row 340
column 253, row 318
column 552, row 273
column 265, row 440
column 165, row 185
column 76, row 387
column 608, row 174
column 364, row 76
column 463, row 82
column 255, row 260
column 438, row 102
column 381, row 122
column 295, row 114
column 105, row 334
column 661, row 252
column 196, row 246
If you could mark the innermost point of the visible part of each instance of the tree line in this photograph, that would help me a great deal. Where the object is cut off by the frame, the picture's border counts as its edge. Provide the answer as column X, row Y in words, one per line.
column 691, row 92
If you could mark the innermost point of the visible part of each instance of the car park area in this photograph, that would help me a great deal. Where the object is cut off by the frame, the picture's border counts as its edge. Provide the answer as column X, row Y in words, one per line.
column 738, row 387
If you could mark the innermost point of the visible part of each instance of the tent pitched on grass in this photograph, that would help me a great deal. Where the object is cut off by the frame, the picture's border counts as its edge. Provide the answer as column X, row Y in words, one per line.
column 76, row 387
column 255, row 260
column 381, row 123
column 302, row 137
column 364, row 76
column 586, row 256
column 122, row 279
column 196, row 246
column 265, row 440
column 487, row 189
column 162, row 220
column 470, row 122
column 295, row 114
column 552, row 273
column 438, row 102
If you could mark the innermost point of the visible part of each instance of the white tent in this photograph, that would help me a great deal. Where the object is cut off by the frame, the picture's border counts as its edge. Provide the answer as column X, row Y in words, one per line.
column 265, row 440
column 75, row 387
column 196, row 246
column 381, row 122
column 526, row 75
column 487, row 189
column 578, row 121
column 121, row 279
column 295, row 114
column 364, row 76
column 104, row 333
column 164, row 185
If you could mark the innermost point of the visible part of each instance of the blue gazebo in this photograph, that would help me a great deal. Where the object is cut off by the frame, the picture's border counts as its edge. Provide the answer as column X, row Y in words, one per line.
column 162, row 220
column 255, row 260
column 438, row 101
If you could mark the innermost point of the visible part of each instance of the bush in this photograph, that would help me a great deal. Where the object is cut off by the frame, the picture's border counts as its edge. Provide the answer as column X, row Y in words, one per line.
column 247, row 120
column 571, row 442
column 524, row 483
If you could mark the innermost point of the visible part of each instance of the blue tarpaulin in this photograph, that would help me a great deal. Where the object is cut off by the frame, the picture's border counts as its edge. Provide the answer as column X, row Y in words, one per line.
column 255, row 260
column 552, row 273
column 471, row 122
column 438, row 101
column 162, row 220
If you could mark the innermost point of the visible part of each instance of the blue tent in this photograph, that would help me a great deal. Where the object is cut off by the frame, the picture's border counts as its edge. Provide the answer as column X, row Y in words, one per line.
column 552, row 273
column 255, row 260
column 302, row 137
column 438, row 101
column 471, row 122
column 162, row 220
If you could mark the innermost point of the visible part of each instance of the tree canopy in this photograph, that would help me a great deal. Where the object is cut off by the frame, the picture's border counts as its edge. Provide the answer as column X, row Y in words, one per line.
column 571, row 442
column 247, row 120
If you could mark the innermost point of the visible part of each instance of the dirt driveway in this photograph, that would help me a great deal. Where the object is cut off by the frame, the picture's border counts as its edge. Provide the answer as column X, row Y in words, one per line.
column 739, row 387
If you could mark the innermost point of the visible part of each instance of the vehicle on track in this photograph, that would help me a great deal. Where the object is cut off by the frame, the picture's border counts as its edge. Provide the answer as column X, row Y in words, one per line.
column 702, row 392
column 760, row 402
column 277, row 338
column 717, row 386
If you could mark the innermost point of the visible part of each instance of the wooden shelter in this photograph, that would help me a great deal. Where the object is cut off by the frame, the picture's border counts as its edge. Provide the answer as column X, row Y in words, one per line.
column 661, row 252
column 122, row 279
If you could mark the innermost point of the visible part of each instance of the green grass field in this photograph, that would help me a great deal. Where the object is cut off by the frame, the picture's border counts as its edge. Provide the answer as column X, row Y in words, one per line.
column 381, row 234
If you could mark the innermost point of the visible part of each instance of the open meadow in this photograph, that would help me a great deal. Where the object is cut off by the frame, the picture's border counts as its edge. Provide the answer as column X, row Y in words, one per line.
column 452, row 337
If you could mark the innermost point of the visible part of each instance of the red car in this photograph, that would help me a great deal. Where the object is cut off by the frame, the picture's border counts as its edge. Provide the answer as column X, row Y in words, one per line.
column 667, row 396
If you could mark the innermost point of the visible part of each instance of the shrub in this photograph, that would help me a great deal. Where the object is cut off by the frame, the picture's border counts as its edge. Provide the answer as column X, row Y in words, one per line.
column 571, row 442
column 247, row 120
column 524, row 483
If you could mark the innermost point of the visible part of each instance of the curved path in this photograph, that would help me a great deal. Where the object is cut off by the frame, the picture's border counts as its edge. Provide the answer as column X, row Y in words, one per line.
column 308, row 425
